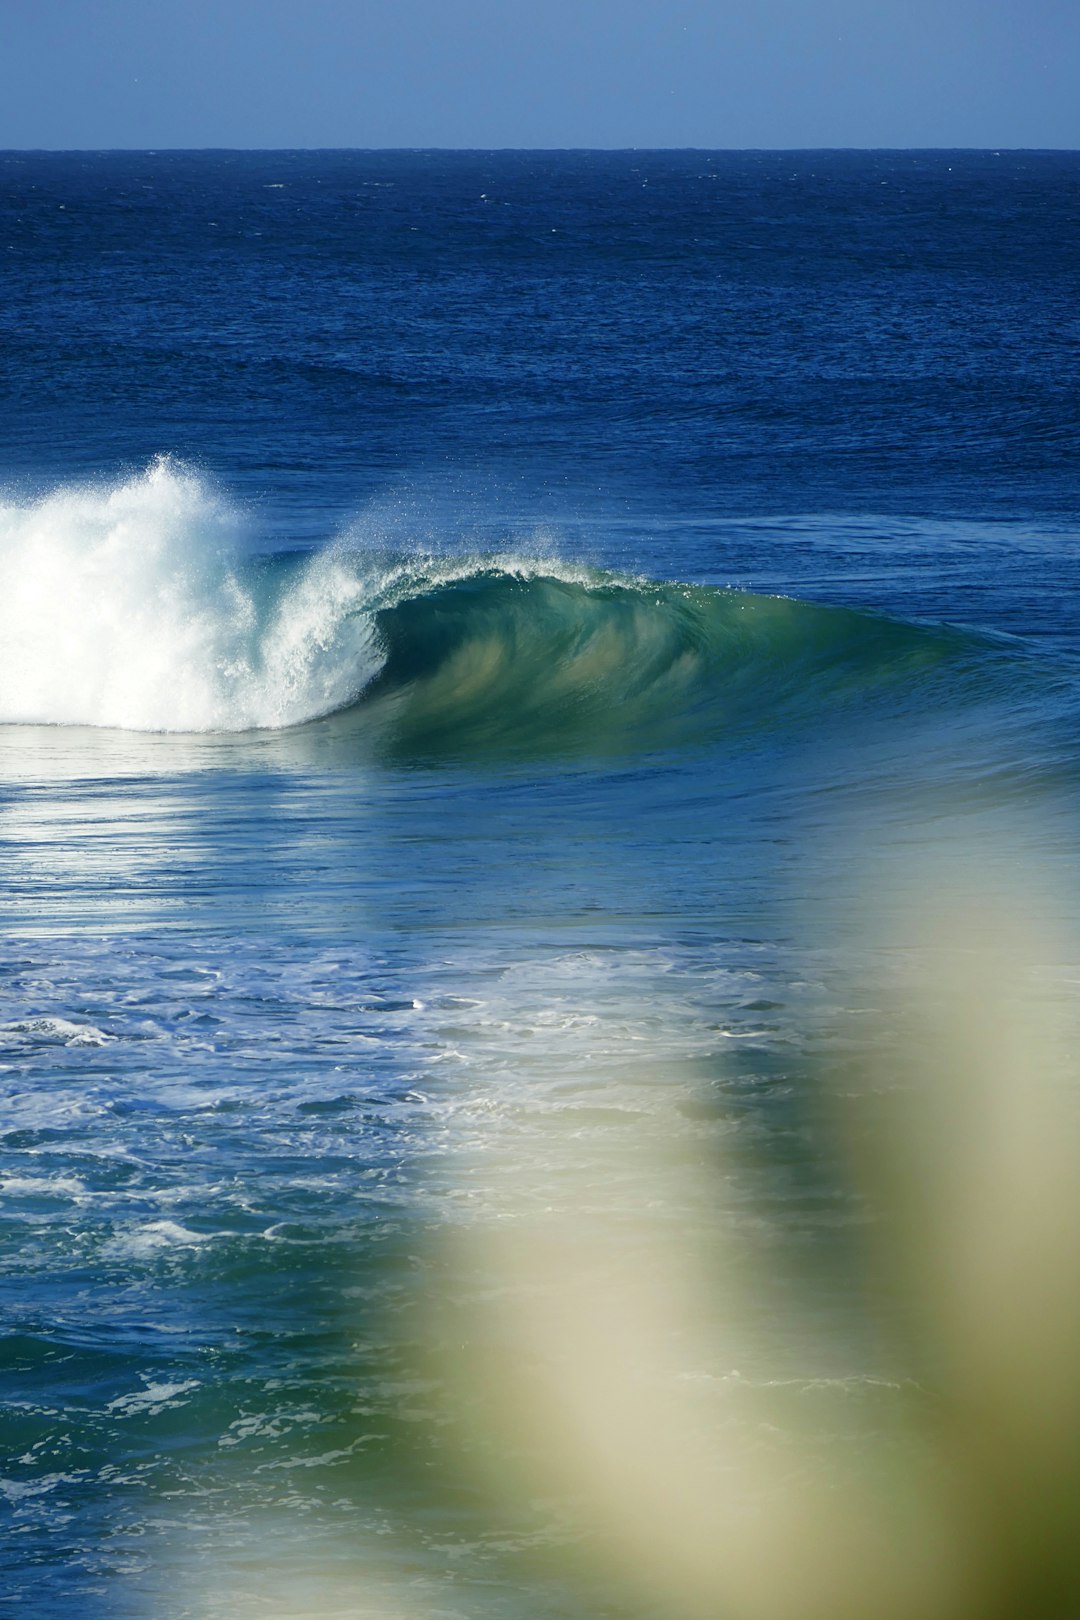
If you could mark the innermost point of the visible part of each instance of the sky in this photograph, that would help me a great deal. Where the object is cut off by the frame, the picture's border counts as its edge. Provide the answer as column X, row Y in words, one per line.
column 554, row 73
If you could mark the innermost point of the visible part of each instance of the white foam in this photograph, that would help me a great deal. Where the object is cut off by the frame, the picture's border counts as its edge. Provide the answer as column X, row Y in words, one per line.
column 125, row 607
column 154, row 1237
column 152, row 1400
column 59, row 1031
column 41, row 1186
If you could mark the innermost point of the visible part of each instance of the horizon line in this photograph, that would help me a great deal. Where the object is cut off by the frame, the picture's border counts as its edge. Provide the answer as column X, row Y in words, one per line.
column 154, row 151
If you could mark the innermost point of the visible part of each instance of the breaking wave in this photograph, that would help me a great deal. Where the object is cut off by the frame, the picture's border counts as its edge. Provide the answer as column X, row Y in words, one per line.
column 136, row 607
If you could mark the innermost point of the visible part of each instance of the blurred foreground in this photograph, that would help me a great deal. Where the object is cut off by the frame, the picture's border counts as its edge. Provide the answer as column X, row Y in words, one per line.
column 610, row 1339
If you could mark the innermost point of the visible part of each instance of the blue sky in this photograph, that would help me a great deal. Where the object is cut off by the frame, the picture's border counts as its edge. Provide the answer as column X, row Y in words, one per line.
column 484, row 73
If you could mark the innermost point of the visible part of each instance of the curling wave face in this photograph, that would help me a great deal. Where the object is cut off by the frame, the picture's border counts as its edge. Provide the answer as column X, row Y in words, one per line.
column 136, row 608
column 502, row 661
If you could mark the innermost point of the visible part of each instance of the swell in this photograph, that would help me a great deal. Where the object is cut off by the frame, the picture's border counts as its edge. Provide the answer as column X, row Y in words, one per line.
column 136, row 607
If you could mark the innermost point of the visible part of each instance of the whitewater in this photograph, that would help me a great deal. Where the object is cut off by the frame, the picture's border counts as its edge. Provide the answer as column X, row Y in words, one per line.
column 123, row 607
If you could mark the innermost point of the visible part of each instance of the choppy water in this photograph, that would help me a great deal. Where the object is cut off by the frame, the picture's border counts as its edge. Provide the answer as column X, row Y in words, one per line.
column 478, row 635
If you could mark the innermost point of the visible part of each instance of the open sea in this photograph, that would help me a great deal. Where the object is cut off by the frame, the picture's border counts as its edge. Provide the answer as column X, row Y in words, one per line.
column 506, row 660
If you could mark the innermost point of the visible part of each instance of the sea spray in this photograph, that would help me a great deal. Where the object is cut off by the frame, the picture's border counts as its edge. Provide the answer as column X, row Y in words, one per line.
column 127, row 607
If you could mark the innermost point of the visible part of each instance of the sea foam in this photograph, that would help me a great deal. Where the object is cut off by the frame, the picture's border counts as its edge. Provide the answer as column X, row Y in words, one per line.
column 128, row 606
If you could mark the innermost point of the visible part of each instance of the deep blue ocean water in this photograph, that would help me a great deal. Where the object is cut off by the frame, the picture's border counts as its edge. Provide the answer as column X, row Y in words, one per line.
column 488, row 644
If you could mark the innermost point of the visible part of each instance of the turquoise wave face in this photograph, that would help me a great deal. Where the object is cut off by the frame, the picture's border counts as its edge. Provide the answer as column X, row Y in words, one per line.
column 497, row 662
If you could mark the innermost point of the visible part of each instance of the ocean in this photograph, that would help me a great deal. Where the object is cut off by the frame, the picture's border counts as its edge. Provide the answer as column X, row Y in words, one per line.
column 511, row 664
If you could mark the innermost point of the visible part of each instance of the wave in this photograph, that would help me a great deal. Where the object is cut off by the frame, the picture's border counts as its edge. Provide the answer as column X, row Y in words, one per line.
column 136, row 608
